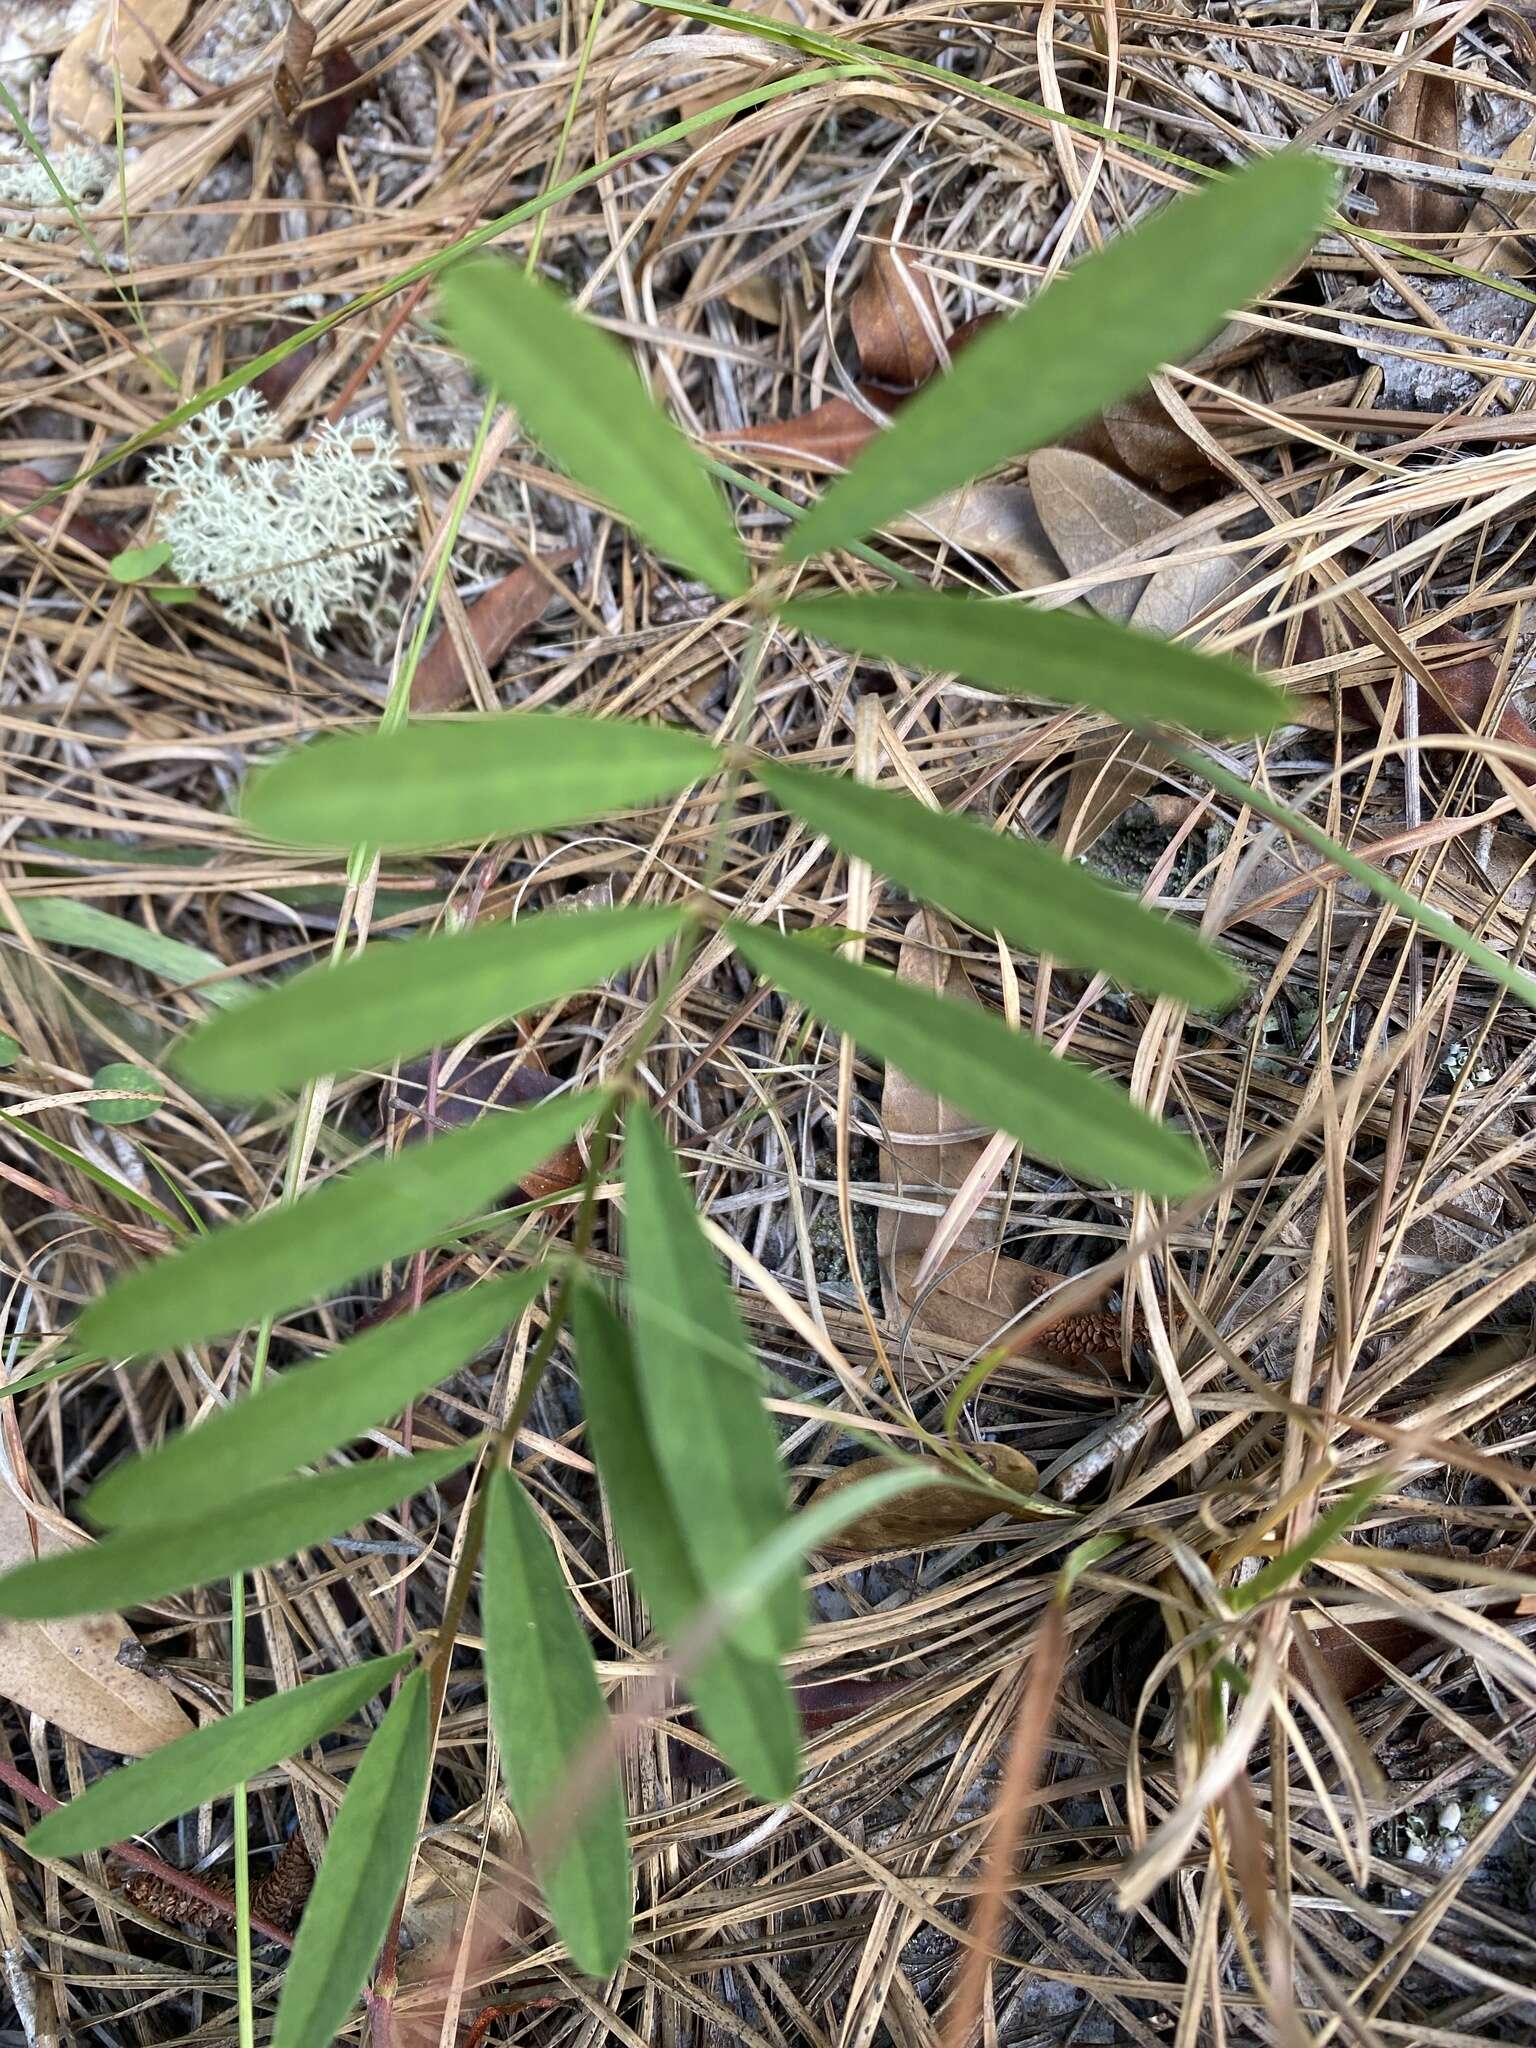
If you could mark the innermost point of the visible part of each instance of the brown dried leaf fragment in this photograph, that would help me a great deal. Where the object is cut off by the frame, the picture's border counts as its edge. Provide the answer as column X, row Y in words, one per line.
column 292, row 66
column 895, row 319
column 938, row 1512
column 495, row 618
column 1422, row 113
column 118, row 39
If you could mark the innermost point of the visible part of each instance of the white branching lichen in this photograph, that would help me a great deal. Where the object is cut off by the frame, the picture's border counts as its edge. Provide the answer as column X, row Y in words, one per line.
column 84, row 174
column 301, row 536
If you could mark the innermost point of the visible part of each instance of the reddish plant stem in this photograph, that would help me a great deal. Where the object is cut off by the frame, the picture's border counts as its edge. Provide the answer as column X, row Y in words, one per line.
column 140, row 1859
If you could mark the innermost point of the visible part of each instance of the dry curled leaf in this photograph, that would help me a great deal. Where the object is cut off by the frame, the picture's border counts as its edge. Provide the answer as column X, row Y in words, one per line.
column 1422, row 113
column 506, row 1080
column 325, row 119
column 298, row 48
column 495, row 619
column 827, row 437
column 119, row 38
column 998, row 522
column 895, row 319
column 937, row 1512
column 85, row 1676
column 20, row 484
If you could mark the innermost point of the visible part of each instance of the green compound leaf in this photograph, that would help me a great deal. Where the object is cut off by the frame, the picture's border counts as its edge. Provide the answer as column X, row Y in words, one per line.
column 1152, row 297
column 360, row 1875
column 1065, row 657
column 291, row 1255
column 1007, row 884
column 702, row 1387
column 547, row 1708
column 743, row 1702
column 451, row 782
column 311, row 1409
column 1057, row 1110
column 209, row 1761
column 392, row 1001
column 582, row 398
column 153, row 1561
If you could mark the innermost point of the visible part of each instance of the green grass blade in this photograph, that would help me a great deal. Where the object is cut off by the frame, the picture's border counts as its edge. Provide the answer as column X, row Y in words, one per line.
column 55, row 921
column 312, row 1409
column 1065, row 657
column 294, row 1254
column 702, row 1387
column 581, row 397
column 1288, row 1565
column 394, row 1000
column 1007, row 884
column 546, row 1707
column 745, row 1706
column 151, row 1563
column 1152, row 297
column 360, row 1875
column 206, row 1763
column 1057, row 1110
column 451, row 782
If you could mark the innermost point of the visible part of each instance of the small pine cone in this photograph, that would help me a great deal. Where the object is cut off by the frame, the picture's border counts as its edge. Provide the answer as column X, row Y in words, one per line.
column 281, row 1894
column 163, row 1900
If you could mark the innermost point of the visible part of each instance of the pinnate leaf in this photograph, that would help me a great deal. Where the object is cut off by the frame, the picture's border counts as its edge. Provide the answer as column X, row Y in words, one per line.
column 294, row 1254
column 209, row 1761
column 1153, row 296
column 1057, row 1110
column 1006, row 884
column 150, row 1562
column 1065, row 657
column 582, row 398
column 392, row 1001
column 360, row 1875
column 312, row 1409
column 745, row 1706
column 450, row 782
column 701, row 1385
column 547, row 1709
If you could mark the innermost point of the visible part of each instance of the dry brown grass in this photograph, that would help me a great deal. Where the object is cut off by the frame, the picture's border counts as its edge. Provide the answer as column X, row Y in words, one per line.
column 1357, row 1298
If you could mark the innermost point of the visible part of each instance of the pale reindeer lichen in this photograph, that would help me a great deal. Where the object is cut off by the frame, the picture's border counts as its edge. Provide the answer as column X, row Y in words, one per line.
column 302, row 535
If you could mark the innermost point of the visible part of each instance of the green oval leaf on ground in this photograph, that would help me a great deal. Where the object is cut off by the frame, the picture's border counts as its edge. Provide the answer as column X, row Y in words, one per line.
column 745, row 1706
column 132, row 565
column 150, row 1562
column 547, row 1707
column 311, row 1409
column 1064, row 657
column 702, row 1387
column 1007, row 884
column 394, row 1000
column 452, row 782
column 10, row 1049
column 581, row 397
column 294, row 1254
column 209, row 1761
column 126, row 1110
column 360, row 1875
column 1057, row 1110
column 1151, row 297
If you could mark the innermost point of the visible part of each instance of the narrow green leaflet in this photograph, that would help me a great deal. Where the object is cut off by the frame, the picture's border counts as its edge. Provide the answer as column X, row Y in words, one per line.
column 1287, row 1565
column 580, row 395
column 1153, row 296
column 450, row 782
column 701, row 1385
column 1007, row 884
column 154, row 1561
column 1065, row 657
column 294, row 1254
column 547, row 1709
column 55, row 921
column 1057, row 1110
column 745, row 1706
column 392, row 1001
column 311, row 1409
column 209, row 1761
column 360, row 1875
